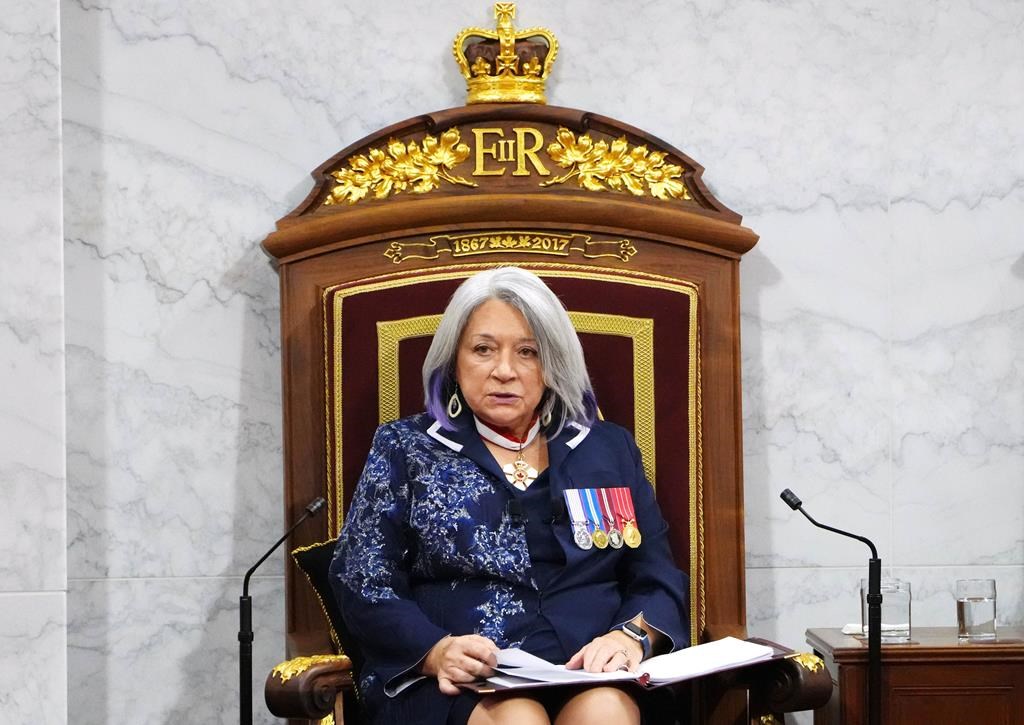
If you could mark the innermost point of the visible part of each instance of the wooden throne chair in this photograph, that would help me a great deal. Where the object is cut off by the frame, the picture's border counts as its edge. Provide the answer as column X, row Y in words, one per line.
column 645, row 259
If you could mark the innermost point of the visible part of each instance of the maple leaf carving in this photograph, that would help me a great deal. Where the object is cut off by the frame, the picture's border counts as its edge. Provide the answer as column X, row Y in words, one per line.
column 399, row 166
column 602, row 166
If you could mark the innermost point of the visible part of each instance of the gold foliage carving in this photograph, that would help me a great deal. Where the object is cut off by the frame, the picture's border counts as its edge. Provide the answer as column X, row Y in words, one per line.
column 397, row 167
column 296, row 666
column 601, row 166
column 810, row 662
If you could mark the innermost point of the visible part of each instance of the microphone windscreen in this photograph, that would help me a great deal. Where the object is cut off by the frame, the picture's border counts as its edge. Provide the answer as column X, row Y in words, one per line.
column 514, row 511
column 315, row 506
column 791, row 499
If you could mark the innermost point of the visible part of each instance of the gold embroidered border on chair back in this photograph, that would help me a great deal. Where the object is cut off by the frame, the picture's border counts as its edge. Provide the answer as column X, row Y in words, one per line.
column 640, row 336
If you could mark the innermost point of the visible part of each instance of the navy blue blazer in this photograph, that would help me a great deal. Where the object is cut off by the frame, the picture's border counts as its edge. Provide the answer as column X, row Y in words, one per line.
column 428, row 550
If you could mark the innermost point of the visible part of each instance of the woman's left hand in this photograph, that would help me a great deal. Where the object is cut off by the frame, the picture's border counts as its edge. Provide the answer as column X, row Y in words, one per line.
column 607, row 653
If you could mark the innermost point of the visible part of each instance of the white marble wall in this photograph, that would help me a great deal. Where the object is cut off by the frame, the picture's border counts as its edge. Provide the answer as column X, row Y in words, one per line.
column 32, row 482
column 884, row 318
column 176, row 164
column 875, row 149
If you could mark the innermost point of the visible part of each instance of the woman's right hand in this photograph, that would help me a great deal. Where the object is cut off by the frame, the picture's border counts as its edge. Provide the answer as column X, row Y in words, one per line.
column 460, row 659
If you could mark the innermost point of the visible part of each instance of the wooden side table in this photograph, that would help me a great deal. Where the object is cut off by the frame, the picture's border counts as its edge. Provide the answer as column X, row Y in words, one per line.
column 933, row 679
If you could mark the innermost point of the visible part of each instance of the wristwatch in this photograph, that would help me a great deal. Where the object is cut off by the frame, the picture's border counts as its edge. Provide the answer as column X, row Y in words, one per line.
column 636, row 632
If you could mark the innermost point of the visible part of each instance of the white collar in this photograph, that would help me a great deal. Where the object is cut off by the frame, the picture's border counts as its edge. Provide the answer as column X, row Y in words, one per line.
column 434, row 432
column 488, row 433
column 578, row 438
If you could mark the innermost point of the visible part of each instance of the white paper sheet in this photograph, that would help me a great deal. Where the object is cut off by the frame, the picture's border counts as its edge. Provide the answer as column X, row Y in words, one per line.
column 521, row 669
column 520, row 665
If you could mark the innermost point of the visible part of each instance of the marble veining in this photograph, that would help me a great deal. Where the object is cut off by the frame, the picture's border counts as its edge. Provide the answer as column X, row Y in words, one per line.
column 956, row 266
column 33, row 666
column 31, row 325
column 958, row 101
column 814, row 421
column 173, row 344
column 178, row 632
column 744, row 81
column 155, row 465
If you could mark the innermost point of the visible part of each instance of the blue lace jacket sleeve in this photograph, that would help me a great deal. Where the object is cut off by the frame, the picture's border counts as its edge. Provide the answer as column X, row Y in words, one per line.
column 369, row 573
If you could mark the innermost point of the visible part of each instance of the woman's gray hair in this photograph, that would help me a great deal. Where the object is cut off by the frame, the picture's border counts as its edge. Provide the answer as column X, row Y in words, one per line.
column 568, row 397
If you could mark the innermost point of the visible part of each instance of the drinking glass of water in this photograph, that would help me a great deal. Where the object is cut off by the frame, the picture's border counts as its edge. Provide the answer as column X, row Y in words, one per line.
column 976, row 609
column 895, row 609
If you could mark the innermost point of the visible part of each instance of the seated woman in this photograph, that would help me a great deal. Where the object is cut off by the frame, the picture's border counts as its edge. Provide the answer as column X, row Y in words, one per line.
column 505, row 516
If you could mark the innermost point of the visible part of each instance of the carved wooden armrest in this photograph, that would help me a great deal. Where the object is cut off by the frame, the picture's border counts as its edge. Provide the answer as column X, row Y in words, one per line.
column 798, row 681
column 306, row 687
column 789, row 684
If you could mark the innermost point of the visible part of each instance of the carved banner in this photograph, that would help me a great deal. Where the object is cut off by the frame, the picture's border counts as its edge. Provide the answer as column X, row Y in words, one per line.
column 466, row 245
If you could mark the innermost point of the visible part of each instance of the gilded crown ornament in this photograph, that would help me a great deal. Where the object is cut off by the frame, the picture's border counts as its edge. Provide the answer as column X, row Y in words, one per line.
column 505, row 65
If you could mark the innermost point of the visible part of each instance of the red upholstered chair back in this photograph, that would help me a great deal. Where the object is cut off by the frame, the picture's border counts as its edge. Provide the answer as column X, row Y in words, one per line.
column 640, row 337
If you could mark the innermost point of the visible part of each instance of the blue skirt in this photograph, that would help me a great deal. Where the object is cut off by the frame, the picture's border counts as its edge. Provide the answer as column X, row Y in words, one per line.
column 423, row 704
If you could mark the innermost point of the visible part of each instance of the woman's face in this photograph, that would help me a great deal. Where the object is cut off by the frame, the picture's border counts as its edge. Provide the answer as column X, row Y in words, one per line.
column 498, row 367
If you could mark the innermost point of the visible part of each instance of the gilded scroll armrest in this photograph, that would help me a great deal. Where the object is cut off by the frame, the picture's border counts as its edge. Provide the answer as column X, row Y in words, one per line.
column 798, row 681
column 760, row 692
column 306, row 687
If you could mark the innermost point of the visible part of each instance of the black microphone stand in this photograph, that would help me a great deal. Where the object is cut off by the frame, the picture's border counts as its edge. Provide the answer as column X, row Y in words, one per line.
column 874, row 599
column 245, row 635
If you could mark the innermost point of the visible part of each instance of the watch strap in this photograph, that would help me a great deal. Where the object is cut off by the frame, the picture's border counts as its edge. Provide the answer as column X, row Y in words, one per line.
column 636, row 632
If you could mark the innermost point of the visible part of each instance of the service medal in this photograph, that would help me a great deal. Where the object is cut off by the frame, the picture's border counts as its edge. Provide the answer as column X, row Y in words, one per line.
column 608, row 512
column 631, row 535
column 592, row 508
column 582, row 537
column 578, row 520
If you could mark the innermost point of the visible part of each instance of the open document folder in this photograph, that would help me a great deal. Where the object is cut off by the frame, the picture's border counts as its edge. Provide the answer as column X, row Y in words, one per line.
column 517, row 669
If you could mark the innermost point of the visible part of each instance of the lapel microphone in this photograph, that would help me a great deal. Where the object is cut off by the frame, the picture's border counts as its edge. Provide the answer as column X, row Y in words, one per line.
column 514, row 512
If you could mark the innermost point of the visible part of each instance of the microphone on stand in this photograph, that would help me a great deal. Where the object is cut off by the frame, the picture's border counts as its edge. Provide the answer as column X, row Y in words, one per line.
column 245, row 635
column 874, row 599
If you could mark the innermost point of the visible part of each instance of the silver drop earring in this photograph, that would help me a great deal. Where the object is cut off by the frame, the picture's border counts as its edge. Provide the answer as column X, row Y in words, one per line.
column 549, row 405
column 454, row 406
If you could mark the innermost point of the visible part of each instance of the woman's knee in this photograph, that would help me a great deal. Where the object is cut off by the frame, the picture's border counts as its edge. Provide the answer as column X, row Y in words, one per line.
column 600, row 704
column 504, row 710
